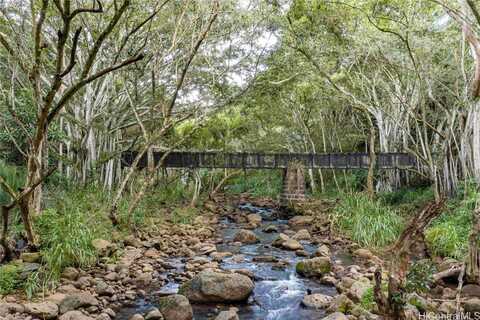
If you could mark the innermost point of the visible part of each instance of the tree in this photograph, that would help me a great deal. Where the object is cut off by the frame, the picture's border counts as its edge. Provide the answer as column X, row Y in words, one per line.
column 50, row 68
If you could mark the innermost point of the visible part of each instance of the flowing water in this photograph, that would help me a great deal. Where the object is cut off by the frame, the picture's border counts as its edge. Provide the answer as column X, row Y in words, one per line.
column 278, row 289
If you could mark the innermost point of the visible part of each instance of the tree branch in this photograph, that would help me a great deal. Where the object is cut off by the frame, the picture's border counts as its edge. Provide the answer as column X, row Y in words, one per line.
column 72, row 90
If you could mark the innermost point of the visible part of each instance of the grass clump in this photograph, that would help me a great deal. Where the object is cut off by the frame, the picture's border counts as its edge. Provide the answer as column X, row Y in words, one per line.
column 66, row 231
column 448, row 234
column 9, row 278
column 367, row 221
column 66, row 240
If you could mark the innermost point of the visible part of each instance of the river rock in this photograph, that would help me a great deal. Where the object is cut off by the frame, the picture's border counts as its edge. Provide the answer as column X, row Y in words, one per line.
column 316, row 301
column 10, row 308
column 254, row 219
column 32, row 257
column 103, row 247
column 265, row 259
column 280, row 240
column 358, row 289
column 302, row 235
column 322, row 251
column 448, row 263
column 336, row 316
column 175, row 307
column 340, row 303
column 471, row 290
column 75, row 315
column 230, row 314
column 363, row 253
column 154, row 314
column 246, row 237
column 210, row 286
column 70, row 274
column 136, row 317
column 77, row 300
column 298, row 221
column 103, row 289
column 219, row 256
column 315, row 267
column 292, row 244
column 44, row 310
column 270, row 228
column 447, row 307
column 344, row 284
column 472, row 305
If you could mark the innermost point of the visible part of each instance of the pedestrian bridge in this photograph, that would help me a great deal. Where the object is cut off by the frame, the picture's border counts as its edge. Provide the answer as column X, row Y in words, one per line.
column 258, row 160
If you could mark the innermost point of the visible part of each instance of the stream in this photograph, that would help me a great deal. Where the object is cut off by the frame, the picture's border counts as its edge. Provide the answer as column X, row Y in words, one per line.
column 278, row 289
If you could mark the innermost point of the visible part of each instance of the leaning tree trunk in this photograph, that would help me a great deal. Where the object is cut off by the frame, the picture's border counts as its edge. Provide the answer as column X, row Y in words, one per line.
column 391, row 305
column 472, row 271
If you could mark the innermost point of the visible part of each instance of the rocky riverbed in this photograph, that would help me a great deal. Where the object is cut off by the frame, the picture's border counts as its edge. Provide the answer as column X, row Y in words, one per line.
column 249, row 261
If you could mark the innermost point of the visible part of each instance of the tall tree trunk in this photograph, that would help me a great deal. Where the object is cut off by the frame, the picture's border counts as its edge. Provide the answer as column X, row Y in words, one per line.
column 473, row 260
column 372, row 163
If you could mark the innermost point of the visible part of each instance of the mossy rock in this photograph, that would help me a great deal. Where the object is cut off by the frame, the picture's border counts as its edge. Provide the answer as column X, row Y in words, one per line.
column 315, row 267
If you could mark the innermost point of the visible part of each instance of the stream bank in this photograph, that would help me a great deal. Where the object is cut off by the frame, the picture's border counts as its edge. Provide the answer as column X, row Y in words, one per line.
column 250, row 260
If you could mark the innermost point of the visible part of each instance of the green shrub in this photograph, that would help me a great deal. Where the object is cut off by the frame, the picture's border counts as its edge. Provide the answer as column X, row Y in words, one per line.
column 448, row 234
column 420, row 276
column 9, row 278
column 367, row 301
column 407, row 200
column 366, row 221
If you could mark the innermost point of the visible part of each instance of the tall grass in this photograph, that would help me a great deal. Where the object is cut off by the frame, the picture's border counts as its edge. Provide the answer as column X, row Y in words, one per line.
column 66, row 231
column 368, row 222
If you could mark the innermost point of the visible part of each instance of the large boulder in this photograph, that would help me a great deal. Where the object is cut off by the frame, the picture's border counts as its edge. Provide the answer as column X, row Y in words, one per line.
column 210, row 286
column 175, row 307
column 316, row 301
column 43, row 310
column 315, row 267
column 245, row 236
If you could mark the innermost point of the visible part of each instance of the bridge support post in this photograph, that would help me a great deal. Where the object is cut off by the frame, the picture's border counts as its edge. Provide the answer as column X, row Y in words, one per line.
column 293, row 183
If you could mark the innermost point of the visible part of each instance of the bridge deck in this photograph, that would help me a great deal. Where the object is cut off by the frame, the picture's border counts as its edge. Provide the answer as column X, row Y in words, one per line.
column 187, row 159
